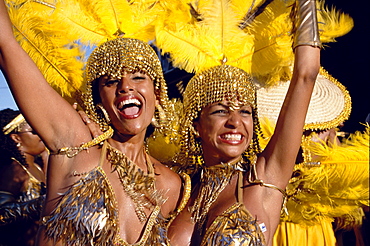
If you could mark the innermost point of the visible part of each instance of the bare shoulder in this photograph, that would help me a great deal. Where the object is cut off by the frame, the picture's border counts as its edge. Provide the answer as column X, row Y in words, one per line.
column 162, row 170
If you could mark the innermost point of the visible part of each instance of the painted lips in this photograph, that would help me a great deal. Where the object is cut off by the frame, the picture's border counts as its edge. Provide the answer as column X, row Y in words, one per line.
column 232, row 138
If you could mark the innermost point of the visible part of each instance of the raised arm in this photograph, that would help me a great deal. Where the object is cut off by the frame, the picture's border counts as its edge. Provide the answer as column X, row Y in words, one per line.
column 281, row 152
column 47, row 112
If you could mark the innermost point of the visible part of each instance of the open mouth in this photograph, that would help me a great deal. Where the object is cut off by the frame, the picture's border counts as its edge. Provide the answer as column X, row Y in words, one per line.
column 231, row 137
column 130, row 107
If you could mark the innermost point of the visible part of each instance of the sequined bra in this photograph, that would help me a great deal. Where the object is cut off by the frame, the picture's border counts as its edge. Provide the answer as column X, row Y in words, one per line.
column 235, row 226
column 87, row 214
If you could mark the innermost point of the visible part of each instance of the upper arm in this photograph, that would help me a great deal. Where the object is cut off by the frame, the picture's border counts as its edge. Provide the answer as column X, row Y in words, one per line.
column 280, row 153
column 45, row 110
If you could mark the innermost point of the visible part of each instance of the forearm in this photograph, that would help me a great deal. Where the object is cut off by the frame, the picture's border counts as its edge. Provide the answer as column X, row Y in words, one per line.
column 286, row 140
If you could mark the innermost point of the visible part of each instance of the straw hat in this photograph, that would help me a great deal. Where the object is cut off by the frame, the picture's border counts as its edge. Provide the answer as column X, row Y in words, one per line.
column 330, row 103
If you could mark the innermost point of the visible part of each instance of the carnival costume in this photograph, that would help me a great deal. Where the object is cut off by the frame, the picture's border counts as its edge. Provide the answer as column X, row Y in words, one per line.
column 87, row 212
column 334, row 184
column 219, row 49
column 215, row 39
column 94, row 218
column 20, row 213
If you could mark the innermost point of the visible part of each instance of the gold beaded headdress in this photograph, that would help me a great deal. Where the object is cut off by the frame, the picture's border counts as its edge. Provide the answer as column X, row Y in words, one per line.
column 16, row 122
column 215, row 84
column 254, row 36
column 114, row 58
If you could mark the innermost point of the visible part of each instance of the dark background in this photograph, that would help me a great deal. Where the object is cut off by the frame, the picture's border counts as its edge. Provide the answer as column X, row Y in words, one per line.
column 348, row 60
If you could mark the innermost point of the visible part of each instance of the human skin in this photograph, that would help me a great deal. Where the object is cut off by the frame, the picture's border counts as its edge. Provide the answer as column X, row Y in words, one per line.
column 59, row 125
column 274, row 165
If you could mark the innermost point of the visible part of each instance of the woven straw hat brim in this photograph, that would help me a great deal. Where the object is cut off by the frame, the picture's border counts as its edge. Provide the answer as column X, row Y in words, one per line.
column 330, row 103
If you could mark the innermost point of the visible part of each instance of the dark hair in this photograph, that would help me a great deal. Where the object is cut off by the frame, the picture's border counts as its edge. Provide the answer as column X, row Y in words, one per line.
column 8, row 148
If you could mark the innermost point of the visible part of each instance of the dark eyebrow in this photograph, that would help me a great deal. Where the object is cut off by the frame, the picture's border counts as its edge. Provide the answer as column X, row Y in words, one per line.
column 221, row 104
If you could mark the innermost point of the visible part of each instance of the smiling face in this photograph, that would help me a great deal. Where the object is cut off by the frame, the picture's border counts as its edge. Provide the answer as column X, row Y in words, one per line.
column 130, row 102
column 118, row 60
column 225, row 131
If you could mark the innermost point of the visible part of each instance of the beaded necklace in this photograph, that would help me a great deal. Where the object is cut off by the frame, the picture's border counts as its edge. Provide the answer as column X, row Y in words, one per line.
column 213, row 181
column 139, row 186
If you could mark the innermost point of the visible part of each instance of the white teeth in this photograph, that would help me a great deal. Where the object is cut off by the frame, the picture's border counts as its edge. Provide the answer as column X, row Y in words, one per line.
column 129, row 101
column 232, row 137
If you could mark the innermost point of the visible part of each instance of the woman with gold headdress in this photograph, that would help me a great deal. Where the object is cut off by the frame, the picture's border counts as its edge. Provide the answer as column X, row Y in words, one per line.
column 109, row 194
column 238, row 189
column 22, row 180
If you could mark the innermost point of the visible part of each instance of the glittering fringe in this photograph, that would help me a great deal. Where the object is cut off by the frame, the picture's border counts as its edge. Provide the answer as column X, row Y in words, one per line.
column 139, row 186
column 213, row 181
column 83, row 218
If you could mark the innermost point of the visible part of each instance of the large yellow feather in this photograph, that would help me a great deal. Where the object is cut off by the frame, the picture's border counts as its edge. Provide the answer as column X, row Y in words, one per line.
column 336, row 24
column 56, row 35
column 338, row 187
column 200, row 34
column 60, row 62
column 197, row 44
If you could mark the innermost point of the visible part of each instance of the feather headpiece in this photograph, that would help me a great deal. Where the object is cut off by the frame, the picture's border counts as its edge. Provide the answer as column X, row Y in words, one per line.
column 59, row 35
column 252, row 35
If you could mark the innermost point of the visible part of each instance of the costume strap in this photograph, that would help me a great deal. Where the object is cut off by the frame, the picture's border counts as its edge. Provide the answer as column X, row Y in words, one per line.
column 185, row 198
column 25, row 169
column 103, row 154
column 73, row 151
column 240, row 187
column 254, row 180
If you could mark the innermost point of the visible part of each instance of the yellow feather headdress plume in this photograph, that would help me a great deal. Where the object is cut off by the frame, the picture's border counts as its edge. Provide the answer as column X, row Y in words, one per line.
column 57, row 35
column 336, row 186
column 252, row 35
column 60, row 61
column 272, row 28
column 202, row 35
column 97, row 21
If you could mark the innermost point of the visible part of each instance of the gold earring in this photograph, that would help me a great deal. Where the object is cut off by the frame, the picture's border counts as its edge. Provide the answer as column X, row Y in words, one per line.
column 105, row 113
column 155, row 122
column 195, row 132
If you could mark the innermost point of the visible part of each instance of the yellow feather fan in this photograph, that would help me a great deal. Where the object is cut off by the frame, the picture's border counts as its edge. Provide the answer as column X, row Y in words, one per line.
column 199, row 44
column 334, row 23
column 273, row 54
column 96, row 21
column 335, row 187
column 60, row 62
column 252, row 35
column 57, row 35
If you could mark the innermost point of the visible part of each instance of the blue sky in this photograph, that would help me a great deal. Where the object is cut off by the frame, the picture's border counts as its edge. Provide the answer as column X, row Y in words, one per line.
column 6, row 98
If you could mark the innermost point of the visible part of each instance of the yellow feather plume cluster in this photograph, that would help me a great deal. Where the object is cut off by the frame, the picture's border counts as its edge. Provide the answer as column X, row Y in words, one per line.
column 197, row 44
column 252, row 35
column 58, row 35
column 60, row 61
column 335, row 187
column 334, row 23
column 96, row 21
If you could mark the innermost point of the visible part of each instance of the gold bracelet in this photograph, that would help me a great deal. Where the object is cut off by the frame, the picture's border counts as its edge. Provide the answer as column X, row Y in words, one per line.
column 73, row 151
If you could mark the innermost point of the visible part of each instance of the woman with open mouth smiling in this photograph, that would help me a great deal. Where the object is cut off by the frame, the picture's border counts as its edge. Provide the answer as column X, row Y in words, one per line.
column 106, row 190
column 238, row 189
